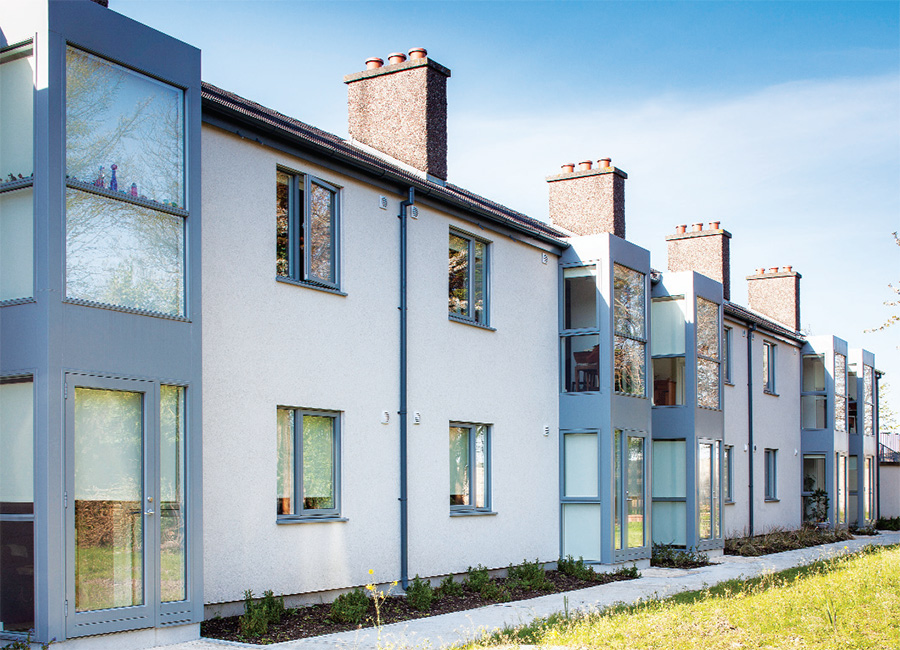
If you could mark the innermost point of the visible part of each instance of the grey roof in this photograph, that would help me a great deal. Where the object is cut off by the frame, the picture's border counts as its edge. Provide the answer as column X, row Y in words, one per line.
column 218, row 100
column 749, row 316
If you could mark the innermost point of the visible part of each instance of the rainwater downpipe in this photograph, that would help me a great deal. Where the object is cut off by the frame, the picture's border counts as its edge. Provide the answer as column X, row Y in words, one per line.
column 404, row 508
column 750, row 414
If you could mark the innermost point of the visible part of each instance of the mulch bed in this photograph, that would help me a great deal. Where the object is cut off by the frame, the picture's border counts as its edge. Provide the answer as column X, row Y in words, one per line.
column 313, row 620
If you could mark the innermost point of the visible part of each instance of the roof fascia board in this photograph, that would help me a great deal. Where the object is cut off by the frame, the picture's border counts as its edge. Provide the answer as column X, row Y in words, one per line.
column 762, row 325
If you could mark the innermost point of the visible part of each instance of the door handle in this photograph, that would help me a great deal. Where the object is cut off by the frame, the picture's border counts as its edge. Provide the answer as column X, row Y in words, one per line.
column 148, row 512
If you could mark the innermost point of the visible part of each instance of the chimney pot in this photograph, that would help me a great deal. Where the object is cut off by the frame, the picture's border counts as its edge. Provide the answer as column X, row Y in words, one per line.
column 698, row 227
column 760, row 271
column 604, row 162
column 773, row 269
column 396, row 57
column 374, row 63
column 786, row 269
column 418, row 53
column 568, row 168
column 584, row 166
column 714, row 225
column 680, row 230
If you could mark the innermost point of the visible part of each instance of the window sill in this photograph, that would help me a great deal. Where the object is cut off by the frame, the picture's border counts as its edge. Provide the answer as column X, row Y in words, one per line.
column 466, row 321
column 728, row 383
column 729, row 503
column 629, row 395
column 127, row 310
column 16, row 301
column 766, row 391
column 309, row 285
column 297, row 519
column 771, row 500
column 472, row 513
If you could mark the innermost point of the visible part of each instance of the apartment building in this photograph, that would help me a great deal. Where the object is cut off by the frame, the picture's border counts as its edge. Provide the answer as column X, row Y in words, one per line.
column 238, row 352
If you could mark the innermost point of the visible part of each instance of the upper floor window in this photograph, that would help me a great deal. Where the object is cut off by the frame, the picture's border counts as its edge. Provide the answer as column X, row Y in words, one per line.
column 869, row 400
column 840, row 392
column 580, row 337
column 667, row 350
column 768, row 372
column 16, row 173
column 468, row 278
column 629, row 325
column 813, row 400
column 306, row 218
column 469, row 467
column 853, row 386
column 308, row 474
column 727, row 353
column 708, row 329
column 125, row 176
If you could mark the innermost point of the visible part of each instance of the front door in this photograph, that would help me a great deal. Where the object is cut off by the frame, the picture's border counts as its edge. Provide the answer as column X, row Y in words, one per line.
column 111, row 505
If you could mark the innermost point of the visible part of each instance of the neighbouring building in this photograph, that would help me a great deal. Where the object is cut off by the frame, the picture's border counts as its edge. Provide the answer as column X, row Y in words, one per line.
column 238, row 352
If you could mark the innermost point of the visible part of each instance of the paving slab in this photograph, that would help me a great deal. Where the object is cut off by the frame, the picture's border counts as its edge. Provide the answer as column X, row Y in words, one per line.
column 459, row 627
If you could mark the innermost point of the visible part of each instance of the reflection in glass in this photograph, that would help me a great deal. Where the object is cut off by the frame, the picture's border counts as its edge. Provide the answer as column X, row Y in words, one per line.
column 16, row 114
column 813, row 479
column 459, row 466
column 581, row 365
column 479, row 279
column 480, row 466
column 635, row 495
column 841, row 505
column 704, row 487
column 707, row 329
column 17, row 505
column 318, row 462
column 668, row 381
column 17, row 244
column 869, row 396
column 580, row 297
column 707, row 383
column 321, row 234
column 124, row 130
column 813, row 372
column 617, row 479
column 852, row 411
column 629, row 366
column 283, row 210
column 459, row 275
column 173, row 547
column 284, row 494
column 628, row 292
column 840, row 392
column 812, row 411
column 109, row 478
column 121, row 254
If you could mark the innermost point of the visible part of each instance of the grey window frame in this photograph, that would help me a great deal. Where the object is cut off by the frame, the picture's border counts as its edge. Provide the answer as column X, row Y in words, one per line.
column 728, row 473
column 769, row 385
column 771, row 474
column 457, row 510
column 469, row 317
column 565, row 333
column 299, row 219
column 816, row 393
column 643, row 341
column 306, row 514
column 727, row 353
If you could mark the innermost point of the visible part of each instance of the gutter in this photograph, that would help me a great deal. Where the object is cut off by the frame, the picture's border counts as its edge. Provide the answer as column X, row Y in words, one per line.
column 404, row 503
column 752, row 449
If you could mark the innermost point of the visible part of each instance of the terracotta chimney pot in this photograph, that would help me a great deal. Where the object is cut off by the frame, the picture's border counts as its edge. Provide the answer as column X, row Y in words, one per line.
column 714, row 225
column 698, row 227
column 773, row 269
column 680, row 230
column 604, row 162
column 396, row 57
column 760, row 271
column 568, row 168
column 786, row 269
column 584, row 166
column 374, row 63
column 418, row 53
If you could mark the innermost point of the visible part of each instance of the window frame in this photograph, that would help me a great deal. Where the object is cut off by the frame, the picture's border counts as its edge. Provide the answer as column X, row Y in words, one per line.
column 717, row 360
column 469, row 317
column 641, row 341
column 471, row 508
column 769, row 358
column 727, row 352
column 771, row 474
column 298, row 253
column 816, row 394
column 567, row 334
column 303, row 513
column 682, row 355
column 728, row 474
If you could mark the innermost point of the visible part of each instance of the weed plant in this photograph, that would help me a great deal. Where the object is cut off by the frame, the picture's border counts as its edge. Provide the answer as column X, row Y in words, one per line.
column 666, row 555
column 350, row 607
column 420, row 594
column 25, row 644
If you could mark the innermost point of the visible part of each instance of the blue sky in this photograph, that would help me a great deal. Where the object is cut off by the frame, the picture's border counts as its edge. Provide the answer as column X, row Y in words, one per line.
column 780, row 119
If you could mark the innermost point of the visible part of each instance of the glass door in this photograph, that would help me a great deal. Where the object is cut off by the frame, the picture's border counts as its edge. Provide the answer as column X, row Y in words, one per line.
column 111, row 505
column 629, row 470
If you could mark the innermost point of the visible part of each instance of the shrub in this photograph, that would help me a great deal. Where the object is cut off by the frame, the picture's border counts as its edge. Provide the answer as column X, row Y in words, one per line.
column 529, row 575
column 575, row 568
column 627, row 573
column 666, row 555
column 449, row 587
column 419, row 594
column 273, row 607
column 777, row 540
column 478, row 578
column 349, row 607
column 254, row 621
column 493, row 590
column 888, row 523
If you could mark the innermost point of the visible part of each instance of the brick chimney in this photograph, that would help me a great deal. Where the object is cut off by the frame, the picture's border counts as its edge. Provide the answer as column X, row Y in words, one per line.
column 400, row 109
column 705, row 251
column 776, row 293
column 589, row 200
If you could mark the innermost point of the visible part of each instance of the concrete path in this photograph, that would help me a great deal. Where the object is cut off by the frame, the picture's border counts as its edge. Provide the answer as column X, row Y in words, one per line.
column 458, row 627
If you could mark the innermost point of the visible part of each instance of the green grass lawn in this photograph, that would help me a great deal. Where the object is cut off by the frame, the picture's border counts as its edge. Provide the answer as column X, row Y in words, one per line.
column 849, row 602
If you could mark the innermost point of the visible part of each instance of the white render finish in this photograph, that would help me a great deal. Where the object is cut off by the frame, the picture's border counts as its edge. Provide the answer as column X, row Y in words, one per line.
column 776, row 425
column 273, row 344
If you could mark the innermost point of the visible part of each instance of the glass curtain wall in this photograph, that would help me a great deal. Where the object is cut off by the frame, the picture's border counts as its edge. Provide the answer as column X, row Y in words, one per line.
column 708, row 479
column 840, row 506
column 667, row 350
column 708, row 333
column 629, row 311
column 813, row 399
column 814, row 492
column 869, row 399
column 853, row 489
column 840, row 392
column 16, row 173
column 628, row 469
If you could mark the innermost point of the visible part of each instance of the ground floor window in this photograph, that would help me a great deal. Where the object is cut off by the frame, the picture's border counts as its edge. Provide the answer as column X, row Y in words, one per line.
column 869, row 489
column 669, row 493
column 710, row 518
column 853, row 488
column 628, row 518
column 469, row 467
column 815, row 495
column 771, row 473
column 840, row 507
column 308, row 480
column 728, row 474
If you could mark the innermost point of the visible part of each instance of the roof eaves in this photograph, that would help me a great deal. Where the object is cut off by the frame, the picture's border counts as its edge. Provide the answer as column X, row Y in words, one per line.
column 744, row 313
